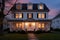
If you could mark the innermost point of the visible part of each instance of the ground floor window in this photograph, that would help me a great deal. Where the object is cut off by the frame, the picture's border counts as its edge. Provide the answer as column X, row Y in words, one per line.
column 30, row 24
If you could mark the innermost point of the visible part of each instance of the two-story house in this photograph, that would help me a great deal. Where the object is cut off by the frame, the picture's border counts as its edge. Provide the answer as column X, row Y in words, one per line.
column 28, row 17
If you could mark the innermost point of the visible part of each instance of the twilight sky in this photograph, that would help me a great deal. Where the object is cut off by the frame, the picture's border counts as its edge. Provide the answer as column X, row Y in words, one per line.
column 53, row 5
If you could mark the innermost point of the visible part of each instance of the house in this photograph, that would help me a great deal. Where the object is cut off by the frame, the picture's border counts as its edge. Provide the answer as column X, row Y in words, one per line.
column 28, row 17
column 56, row 22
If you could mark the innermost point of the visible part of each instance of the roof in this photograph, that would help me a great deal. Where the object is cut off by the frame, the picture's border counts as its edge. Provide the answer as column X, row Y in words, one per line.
column 35, row 7
column 58, row 16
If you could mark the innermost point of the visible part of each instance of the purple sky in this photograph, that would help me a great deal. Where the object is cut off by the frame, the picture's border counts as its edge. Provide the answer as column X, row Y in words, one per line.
column 53, row 5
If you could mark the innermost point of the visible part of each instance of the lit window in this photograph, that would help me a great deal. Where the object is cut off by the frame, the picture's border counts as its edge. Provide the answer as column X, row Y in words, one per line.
column 18, row 6
column 29, row 6
column 43, row 25
column 39, row 25
column 20, row 25
column 20, row 15
column 40, row 6
column 30, row 15
column 39, row 15
column 17, row 15
column 17, row 25
column 43, row 15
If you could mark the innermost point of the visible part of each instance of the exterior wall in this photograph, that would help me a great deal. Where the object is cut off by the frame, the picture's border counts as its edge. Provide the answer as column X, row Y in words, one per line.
column 34, row 15
column 56, row 23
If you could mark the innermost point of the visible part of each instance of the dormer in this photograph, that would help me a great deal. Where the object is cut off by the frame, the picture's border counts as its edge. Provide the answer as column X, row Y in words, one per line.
column 29, row 6
column 40, row 6
column 18, row 6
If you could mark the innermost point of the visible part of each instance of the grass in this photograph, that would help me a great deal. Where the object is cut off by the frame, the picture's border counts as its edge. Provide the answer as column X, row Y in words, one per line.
column 49, row 36
column 41, row 36
column 14, row 36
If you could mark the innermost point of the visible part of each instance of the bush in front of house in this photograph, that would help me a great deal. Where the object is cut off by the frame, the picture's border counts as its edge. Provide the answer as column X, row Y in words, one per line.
column 57, row 29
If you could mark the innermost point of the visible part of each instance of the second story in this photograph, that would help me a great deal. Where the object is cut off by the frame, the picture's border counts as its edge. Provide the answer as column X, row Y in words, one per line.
column 35, row 11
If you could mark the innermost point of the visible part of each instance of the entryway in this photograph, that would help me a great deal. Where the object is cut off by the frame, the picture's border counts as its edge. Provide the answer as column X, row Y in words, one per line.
column 30, row 26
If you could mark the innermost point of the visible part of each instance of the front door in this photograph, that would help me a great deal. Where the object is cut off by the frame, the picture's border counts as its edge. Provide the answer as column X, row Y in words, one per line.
column 30, row 26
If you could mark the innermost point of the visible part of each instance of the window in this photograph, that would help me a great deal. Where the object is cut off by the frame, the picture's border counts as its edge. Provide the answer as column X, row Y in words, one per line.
column 20, row 15
column 30, row 15
column 41, row 15
column 39, row 25
column 40, row 6
column 18, row 6
column 17, row 15
column 19, row 25
column 29, row 6
column 43, row 25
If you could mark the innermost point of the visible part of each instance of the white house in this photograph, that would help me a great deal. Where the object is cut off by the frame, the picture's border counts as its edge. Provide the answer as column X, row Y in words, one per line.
column 56, row 22
column 28, row 17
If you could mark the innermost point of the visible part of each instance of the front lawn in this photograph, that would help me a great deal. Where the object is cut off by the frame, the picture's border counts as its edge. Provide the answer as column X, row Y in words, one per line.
column 14, row 36
column 49, row 36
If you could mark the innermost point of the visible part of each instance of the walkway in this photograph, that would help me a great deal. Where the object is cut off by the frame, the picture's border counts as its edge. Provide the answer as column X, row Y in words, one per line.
column 31, row 36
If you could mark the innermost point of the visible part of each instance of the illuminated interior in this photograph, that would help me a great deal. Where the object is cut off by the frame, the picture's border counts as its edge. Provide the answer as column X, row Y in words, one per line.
column 43, row 15
column 20, row 15
column 29, row 6
column 17, row 15
column 43, row 25
column 39, row 15
column 30, row 25
column 30, row 15
column 41, row 6
column 39, row 25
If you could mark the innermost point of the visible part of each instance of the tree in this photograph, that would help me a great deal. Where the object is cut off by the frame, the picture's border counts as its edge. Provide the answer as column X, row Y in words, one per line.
column 1, row 15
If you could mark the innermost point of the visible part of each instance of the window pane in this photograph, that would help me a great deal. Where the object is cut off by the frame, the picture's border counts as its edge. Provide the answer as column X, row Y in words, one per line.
column 20, row 15
column 43, row 15
column 17, row 15
column 39, row 25
column 29, row 6
column 18, row 6
column 40, row 6
column 20, row 25
column 43, row 25
column 29, row 15
column 17, row 25
column 39, row 15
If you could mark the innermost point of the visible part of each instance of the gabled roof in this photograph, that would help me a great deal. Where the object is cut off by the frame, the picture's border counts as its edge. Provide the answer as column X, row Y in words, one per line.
column 58, row 16
column 35, row 5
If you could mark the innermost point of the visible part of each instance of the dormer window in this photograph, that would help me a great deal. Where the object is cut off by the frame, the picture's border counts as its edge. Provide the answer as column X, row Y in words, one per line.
column 30, row 6
column 40, row 6
column 18, row 6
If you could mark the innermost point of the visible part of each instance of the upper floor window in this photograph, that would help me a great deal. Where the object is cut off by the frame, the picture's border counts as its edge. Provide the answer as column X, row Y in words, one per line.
column 30, row 15
column 20, row 15
column 40, row 6
column 18, row 6
column 30, row 6
column 41, row 15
